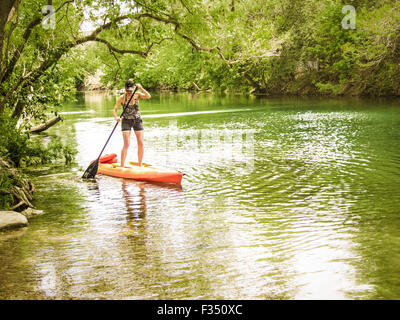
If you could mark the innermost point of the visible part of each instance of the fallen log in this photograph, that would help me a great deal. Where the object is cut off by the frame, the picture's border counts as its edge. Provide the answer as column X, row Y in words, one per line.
column 46, row 125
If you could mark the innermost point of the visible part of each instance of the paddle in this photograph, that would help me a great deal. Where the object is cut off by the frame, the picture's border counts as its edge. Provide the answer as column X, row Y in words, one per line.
column 91, row 171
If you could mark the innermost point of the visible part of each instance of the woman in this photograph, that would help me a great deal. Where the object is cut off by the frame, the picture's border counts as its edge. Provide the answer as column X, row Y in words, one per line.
column 131, row 118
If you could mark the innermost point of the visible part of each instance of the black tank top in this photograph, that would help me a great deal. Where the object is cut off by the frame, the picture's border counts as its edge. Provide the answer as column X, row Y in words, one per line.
column 131, row 111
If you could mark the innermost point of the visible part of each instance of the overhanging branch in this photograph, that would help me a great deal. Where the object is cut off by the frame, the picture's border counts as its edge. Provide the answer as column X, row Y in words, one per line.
column 17, row 53
column 57, row 53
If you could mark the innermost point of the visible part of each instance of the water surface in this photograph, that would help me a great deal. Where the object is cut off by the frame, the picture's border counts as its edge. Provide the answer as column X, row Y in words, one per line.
column 282, row 199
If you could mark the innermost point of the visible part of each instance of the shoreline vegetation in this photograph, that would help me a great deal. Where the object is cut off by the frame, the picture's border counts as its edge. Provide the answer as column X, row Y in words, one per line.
column 16, row 196
column 165, row 89
column 23, row 148
column 95, row 84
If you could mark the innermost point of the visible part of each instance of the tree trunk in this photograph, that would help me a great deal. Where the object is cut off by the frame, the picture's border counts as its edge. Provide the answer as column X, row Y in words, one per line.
column 46, row 125
column 5, row 9
column 18, row 110
column 257, row 87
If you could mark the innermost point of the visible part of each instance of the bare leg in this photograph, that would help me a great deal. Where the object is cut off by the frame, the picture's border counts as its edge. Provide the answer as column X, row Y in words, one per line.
column 139, row 137
column 126, row 135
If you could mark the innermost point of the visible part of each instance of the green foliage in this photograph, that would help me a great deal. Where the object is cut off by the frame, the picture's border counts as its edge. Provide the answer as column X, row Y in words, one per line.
column 39, row 153
column 329, row 87
column 271, row 46
column 288, row 46
column 12, row 141
column 22, row 150
column 6, row 183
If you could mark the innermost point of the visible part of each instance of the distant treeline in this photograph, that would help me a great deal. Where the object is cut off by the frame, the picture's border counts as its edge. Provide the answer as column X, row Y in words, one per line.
column 305, row 47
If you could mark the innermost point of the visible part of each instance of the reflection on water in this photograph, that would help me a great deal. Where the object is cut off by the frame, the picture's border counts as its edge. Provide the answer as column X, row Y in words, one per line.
column 135, row 204
column 315, row 215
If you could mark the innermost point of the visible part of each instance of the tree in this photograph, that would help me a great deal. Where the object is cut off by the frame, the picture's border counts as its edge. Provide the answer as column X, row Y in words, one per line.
column 29, row 52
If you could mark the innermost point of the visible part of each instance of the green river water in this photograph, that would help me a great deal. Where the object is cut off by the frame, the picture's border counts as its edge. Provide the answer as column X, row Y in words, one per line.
column 282, row 199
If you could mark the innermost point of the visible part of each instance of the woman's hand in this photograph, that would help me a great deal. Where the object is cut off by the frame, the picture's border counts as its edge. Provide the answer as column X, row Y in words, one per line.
column 118, row 119
column 139, row 86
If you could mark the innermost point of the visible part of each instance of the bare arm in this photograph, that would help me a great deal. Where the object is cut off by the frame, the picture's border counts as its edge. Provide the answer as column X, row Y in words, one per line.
column 117, row 104
column 144, row 94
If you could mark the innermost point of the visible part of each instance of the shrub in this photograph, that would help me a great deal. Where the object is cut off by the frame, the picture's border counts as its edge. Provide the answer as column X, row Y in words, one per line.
column 22, row 150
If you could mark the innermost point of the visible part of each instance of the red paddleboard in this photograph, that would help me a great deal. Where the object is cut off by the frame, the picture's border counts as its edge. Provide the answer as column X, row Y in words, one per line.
column 108, row 158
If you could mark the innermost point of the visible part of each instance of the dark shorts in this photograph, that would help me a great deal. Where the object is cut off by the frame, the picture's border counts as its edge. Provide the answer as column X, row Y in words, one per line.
column 128, row 124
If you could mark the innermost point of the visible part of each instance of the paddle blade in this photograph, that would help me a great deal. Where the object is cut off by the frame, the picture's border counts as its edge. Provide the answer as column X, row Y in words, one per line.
column 91, row 171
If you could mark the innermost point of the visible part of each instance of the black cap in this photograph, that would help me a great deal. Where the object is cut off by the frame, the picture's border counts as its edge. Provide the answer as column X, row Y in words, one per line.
column 129, row 85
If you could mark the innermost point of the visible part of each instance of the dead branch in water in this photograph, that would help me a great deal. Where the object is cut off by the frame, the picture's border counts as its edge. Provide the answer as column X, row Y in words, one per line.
column 46, row 125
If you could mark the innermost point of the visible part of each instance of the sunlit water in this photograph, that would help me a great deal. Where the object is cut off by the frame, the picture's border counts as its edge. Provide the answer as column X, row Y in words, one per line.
column 282, row 199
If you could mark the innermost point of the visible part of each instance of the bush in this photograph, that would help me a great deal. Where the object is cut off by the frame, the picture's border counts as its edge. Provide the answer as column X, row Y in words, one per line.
column 6, row 199
column 12, row 141
column 19, row 149
column 17, row 146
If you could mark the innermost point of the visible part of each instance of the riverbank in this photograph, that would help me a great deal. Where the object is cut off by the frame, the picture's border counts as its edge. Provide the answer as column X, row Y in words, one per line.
column 304, row 89
column 12, row 219
column 16, row 188
column 16, row 191
column 16, row 196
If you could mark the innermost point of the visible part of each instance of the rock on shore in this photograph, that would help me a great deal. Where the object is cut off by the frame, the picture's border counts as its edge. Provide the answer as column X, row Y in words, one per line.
column 31, row 213
column 12, row 219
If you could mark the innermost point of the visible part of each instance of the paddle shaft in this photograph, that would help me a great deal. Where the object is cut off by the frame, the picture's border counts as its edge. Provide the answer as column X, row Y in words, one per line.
column 123, row 111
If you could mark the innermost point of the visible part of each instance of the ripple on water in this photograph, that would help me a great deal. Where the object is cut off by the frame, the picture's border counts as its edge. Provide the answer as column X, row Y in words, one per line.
column 294, row 211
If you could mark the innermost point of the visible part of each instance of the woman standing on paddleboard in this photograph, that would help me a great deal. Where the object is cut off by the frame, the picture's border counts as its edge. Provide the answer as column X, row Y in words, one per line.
column 131, row 118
